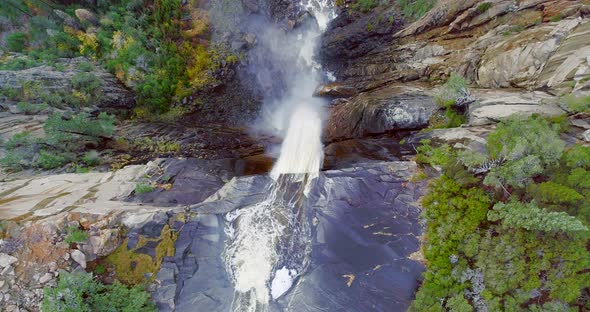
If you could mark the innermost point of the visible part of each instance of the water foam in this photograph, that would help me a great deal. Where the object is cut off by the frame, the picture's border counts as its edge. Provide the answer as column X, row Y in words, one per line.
column 269, row 243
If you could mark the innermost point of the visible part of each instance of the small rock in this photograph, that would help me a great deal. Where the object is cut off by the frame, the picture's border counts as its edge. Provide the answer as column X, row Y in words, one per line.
column 6, row 260
column 79, row 257
column 86, row 16
column 45, row 278
column 52, row 266
column 586, row 135
column 7, row 271
column 66, row 256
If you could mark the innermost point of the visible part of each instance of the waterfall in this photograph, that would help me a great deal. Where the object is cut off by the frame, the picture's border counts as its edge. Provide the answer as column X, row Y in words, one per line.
column 268, row 245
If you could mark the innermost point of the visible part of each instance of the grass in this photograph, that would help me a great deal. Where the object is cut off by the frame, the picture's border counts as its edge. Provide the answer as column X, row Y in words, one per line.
column 143, row 188
column 414, row 9
column 483, row 7
column 75, row 235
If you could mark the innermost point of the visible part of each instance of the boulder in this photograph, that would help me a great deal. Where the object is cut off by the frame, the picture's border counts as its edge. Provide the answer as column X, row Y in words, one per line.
column 335, row 90
column 79, row 257
column 6, row 260
column 395, row 107
column 85, row 15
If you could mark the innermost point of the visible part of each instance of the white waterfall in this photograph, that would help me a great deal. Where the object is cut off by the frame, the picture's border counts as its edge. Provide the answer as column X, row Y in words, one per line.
column 268, row 244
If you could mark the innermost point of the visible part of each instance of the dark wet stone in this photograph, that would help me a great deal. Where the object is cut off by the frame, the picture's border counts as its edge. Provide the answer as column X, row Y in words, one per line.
column 367, row 227
column 236, row 194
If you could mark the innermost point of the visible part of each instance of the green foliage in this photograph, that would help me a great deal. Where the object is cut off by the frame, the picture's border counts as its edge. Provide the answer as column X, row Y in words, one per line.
column 530, row 217
column 142, row 188
column 16, row 41
column 414, row 9
column 452, row 213
column 75, row 235
column 80, row 292
column 529, row 252
column 364, row 5
column 578, row 156
column 49, row 160
column 18, row 63
column 91, row 158
column 434, row 156
column 31, row 109
column 484, row 7
column 528, row 147
column 577, row 104
column 86, row 82
column 455, row 88
column 551, row 192
column 66, row 139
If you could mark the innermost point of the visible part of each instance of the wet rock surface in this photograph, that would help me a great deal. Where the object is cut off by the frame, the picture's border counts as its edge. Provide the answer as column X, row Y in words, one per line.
column 395, row 107
column 367, row 230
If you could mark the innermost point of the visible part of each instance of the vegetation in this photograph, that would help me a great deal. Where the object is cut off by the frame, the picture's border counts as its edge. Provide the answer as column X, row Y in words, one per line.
column 142, row 188
column 508, row 230
column 66, row 139
column 364, row 5
column 453, row 97
column 82, row 292
column 75, row 235
column 158, row 48
column 577, row 104
column 483, row 7
column 414, row 9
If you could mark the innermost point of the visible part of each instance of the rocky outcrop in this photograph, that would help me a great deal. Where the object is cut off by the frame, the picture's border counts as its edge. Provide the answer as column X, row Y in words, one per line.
column 495, row 105
column 394, row 107
column 505, row 44
column 113, row 96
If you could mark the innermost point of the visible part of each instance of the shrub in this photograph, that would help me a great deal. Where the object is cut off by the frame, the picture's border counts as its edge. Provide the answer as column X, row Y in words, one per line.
column 364, row 5
column 81, row 292
column 452, row 91
column 483, row 7
column 577, row 104
column 18, row 63
column 91, row 158
column 86, row 82
column 530, row 217
column 31, row 109
column 75, row 235
column 142, row 188
column 414, row 9
column 51, row 160
column 16, row 41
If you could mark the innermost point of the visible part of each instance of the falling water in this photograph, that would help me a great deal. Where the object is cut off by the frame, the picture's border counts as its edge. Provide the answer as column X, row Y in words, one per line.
column 268, row 244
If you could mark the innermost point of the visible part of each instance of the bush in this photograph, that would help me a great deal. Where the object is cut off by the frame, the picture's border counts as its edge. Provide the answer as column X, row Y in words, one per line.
column 364, row 5
column 483, row 7
column 142, row 188
column 414, row 9
column 31, row 109
column 91, row 158
column 16, row 41
column 86, row 82
column 18, row 63
column 75, row 235
column 51, row 160
column 530, row 217
column 81, row 292
column 577, row 104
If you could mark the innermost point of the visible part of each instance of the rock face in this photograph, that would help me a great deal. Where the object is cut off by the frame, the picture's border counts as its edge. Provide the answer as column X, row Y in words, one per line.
column 508, row 45
column 113, row 95
column 363, row 245
column 50, row 195
column 494, row 105
column 389, row 108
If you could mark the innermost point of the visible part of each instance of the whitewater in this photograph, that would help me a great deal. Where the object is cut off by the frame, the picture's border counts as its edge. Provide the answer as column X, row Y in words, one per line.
column 269, row 245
